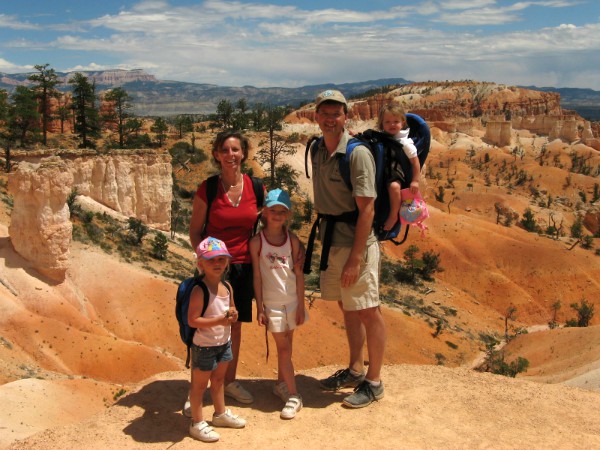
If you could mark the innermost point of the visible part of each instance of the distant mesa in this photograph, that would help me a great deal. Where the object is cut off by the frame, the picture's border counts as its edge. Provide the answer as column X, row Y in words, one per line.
column 154, row 97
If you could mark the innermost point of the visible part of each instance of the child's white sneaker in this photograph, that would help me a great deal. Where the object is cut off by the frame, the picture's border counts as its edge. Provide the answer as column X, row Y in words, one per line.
column 203, row 432
column 293, row 405
column 228, row 419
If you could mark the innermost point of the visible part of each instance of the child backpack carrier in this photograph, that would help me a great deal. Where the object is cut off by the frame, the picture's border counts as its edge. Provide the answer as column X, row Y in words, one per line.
column 182, row 305
column 388, row 155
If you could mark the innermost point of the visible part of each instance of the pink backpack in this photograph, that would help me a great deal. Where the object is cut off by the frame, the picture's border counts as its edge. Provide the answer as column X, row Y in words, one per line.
column 413, row 210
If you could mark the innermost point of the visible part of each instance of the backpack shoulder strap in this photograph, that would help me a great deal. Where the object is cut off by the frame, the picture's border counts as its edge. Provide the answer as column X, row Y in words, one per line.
column 344, row 160
column 202, row 285
column 310, row 148
column 259, row 191
column 212, row 184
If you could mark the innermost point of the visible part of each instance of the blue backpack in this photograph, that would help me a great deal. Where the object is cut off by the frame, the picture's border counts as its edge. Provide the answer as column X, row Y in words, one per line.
column 182, row 305
column 389, row 156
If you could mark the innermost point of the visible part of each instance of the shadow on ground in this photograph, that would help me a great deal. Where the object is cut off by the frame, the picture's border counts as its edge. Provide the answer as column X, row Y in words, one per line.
column 162, row 402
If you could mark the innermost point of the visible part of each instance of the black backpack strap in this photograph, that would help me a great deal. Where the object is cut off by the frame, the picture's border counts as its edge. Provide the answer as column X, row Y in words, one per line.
column 212, row 184
column 259, row 192
column 310, row 245
column 330, row 221
column 307, row 150
column 403, row 239
column 202, row 284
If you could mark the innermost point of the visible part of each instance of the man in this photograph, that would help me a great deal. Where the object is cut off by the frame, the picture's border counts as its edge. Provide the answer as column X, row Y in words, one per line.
column 352, row 274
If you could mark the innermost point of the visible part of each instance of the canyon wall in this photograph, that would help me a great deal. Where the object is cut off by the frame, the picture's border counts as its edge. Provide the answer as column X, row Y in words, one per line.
column 498, row 133
column 134, row 183
column 466, row 106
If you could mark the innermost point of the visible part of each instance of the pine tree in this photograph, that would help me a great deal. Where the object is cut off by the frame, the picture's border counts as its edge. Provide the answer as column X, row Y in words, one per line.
column 23, row 115
column 45, row 89
column 275, row 147
column 160, row 127
column 87, row 122
column 120, row 104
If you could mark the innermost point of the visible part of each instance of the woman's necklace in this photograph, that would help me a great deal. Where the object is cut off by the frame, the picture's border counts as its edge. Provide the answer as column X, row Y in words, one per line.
column 238, row 198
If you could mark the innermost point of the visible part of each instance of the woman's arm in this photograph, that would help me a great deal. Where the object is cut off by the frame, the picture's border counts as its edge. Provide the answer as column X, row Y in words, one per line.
column 198, row 221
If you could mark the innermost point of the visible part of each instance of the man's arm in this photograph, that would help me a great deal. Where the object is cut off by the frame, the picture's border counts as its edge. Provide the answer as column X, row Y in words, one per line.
column 366, row 213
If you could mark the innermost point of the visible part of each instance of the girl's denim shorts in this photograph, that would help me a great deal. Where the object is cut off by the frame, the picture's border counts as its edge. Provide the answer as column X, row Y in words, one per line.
column 207, row 358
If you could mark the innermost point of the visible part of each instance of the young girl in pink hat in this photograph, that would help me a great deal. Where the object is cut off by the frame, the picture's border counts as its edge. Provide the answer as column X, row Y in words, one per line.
column 211, row 351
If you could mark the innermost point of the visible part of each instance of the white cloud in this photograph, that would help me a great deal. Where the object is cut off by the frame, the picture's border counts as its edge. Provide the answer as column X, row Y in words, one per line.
column 8, row 67
column 238, row 43
column 466, row 4
column 478, row 17
column 11, row 22
column 88, row 68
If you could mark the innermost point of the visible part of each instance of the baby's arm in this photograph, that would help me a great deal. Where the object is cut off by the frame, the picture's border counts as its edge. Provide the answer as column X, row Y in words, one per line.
column 394, row 189
column 416, row 174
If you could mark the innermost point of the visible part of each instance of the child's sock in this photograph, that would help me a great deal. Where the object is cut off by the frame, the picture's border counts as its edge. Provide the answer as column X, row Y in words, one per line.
column 374, row 383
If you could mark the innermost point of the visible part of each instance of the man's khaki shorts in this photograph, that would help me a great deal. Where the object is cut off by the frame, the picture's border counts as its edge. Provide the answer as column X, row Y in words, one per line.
column 364, row 293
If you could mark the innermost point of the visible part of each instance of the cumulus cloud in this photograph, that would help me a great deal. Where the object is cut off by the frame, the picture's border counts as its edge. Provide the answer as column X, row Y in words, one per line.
column 263, row 44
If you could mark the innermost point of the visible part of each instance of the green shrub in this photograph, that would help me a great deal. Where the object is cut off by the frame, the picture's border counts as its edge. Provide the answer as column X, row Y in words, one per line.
column 528, row 221
column 585, row 312
column 160, row 245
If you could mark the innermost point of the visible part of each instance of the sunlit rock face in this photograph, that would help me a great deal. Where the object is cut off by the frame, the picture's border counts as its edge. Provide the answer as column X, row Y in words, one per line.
column 40, row 228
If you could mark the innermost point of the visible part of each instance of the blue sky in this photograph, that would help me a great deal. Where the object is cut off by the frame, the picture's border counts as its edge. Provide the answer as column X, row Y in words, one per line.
column 285, row 43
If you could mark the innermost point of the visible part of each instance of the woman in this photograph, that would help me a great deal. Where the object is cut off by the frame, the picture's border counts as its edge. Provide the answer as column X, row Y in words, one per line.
column 231, row 218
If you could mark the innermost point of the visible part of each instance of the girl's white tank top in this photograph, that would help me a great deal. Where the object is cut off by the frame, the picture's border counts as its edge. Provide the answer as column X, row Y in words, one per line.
column 219, row 334
column 277, row 272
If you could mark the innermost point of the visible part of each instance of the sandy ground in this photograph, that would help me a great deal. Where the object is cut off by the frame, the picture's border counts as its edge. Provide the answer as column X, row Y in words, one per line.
column 425, row 407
